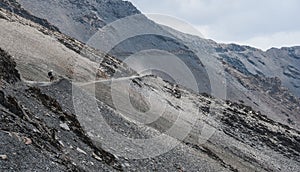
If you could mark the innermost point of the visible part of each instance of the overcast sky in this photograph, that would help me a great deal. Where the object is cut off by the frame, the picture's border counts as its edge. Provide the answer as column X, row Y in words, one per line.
column 259, row 23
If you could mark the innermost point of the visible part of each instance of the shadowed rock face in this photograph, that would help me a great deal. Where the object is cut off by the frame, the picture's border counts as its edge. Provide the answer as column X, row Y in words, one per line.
column 288, row 58
column 8, row 70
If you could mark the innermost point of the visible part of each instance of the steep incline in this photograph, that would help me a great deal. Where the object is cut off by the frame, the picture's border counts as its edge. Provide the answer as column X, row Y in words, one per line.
column 44, row 122
column 38, row 135
column 38, row 50
column 53, row 126
column 82, row 19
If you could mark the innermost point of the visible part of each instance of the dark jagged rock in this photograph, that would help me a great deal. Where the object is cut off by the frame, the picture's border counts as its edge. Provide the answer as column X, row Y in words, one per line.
column 27, row 112
column 254, row 129
column 235, row 63
column 8, row 70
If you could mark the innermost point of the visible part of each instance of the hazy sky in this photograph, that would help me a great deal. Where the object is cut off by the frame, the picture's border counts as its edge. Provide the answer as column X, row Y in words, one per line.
column 260, row 23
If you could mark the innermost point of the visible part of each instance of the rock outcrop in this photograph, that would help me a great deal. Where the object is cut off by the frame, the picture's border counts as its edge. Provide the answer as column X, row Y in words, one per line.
column 8, row 70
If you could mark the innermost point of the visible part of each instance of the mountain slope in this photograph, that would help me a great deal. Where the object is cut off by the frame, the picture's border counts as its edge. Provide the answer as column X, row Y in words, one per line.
column 43, row 120
column 289, row 61
column 248, row 60
column 80, row 19
column 13, row 6
column 58, row 126
column 80, row 25
column 38, row 50
column 251, row 76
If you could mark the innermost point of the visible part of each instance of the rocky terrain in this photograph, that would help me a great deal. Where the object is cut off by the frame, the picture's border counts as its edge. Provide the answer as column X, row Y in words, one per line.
column 39, row 124
column 99, row 111
column 205, row 58
column 8, row 72
column 252, row 76
column 283, row 63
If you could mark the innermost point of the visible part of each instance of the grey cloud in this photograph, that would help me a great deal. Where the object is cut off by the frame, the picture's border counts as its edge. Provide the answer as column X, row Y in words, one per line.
column 236, row 20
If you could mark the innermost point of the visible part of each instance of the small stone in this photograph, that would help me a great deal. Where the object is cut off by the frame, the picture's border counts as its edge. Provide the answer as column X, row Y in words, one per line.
column 80, row 150
column 96, row 157
column 90, row 134
column 61, row 143
column 27, row 140
column 3, row 157
column 64, row 126
column 36, row 131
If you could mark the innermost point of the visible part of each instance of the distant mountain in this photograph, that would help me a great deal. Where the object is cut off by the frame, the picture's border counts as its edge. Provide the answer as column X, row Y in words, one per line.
column 283, row 63
column 260, row 79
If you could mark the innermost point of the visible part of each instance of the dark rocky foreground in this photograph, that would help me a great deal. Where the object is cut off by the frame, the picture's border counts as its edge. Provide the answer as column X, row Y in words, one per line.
column 38, row 135
column 8, row 72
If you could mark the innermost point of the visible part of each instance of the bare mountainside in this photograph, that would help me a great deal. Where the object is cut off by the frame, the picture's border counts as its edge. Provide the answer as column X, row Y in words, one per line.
column 268, row 81
column 67, row 15
column 100, row 116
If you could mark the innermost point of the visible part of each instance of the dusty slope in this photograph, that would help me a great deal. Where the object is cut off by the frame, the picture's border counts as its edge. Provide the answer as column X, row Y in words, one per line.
column 44, row 122
column 39, row 50
column 83, row 19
